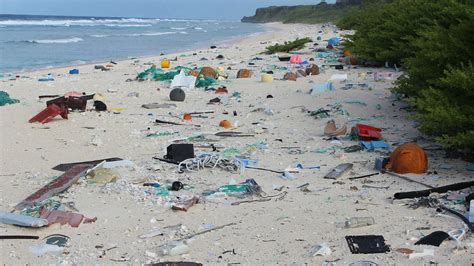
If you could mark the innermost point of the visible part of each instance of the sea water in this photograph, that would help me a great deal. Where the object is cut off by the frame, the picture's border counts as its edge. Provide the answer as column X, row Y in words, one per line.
column 35, row 42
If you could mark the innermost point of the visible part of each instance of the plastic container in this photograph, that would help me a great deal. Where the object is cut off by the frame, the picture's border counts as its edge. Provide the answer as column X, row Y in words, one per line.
column 173, row 249
column 355, row 222
column 165, row 63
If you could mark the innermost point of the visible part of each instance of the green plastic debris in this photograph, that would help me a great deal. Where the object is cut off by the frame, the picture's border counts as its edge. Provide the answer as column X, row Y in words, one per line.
column 331, row 149
column 331, row 61
column 158, row 74
column 196, row 137
column 202, row 82
column 240, row 188
column 35, row 210
column 231, row 152
column 320, row 113
column 160, row 134
column 236, row 94
column 5, row 99
column 162, row 191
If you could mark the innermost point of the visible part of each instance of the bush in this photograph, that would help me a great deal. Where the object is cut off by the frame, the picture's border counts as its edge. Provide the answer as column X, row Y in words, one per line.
column 288, row 46
column 447, row 110
column 433, row 41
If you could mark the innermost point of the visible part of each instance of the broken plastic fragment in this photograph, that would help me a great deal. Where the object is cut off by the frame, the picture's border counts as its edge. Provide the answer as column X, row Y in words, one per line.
column 22, row 220
column 320, row 250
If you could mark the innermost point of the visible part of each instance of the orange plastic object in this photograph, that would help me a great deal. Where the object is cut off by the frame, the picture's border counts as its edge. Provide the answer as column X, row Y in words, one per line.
column 347, row 53
column 187, row 117
column 165, row 63
column 48, row 113
column 225, row 124
column 408, row 158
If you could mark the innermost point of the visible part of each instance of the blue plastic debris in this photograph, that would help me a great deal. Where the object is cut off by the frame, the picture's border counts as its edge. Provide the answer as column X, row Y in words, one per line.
column 470, row 167
column 375, row 144
column 323, row 55
column 334, row 41
column 247, row 162
column 74, row 71
column 300, row 166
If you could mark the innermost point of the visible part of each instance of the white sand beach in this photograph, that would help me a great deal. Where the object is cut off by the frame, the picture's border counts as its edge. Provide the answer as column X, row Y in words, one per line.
column 274, row 230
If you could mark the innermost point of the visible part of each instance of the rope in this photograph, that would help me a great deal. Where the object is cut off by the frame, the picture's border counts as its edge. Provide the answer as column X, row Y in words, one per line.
column 211, row 161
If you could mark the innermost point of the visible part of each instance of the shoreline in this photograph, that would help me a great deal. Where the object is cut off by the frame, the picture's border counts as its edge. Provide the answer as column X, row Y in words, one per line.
column 268, row 28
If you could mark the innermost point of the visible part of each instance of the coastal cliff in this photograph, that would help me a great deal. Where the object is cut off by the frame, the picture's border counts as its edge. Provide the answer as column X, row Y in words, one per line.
column 309, row 14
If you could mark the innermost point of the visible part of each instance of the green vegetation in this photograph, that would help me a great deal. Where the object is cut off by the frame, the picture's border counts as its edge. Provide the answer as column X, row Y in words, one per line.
column 309, row 14
column 434, row 43
column 288, row 46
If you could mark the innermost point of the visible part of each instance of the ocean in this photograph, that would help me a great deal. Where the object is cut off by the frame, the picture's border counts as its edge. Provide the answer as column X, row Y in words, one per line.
column 37, row 42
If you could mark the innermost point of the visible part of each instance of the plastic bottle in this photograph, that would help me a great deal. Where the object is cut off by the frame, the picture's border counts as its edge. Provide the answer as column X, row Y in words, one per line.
column 173, row 249
column 355, row 222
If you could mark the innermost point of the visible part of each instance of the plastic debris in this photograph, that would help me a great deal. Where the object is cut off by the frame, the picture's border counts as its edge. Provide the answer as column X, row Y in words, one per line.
column 43, row 248
column 6, row 99
column 173, row 249
column 22, row 220
column 320, row 250
column 425, row 253
column 339, row 170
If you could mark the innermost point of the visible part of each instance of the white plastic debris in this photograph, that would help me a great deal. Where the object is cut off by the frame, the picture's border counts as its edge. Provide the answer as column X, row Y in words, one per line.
column 43, row 248
column 22, row 220
column 425, row 253
column 339, row 77
column 183, row 81
column 320, row 250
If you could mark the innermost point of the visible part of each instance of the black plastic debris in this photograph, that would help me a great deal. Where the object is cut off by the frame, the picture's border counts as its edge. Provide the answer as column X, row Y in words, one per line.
column 367, row 244
column 176, row 185
column 179, row 152
column 433, row 239
column 178, row 263
column 66, row 166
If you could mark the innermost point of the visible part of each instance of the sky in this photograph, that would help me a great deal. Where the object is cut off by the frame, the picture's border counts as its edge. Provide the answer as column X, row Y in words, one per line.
column 183, row 9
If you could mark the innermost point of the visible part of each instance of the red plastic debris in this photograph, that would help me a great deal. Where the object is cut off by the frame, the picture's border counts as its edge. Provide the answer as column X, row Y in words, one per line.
column 64, row 217
column 366, row 132
column 48, row 113
column 56, row 186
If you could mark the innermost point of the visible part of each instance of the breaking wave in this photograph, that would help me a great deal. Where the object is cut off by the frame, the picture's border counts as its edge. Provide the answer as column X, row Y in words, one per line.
column 151, row 33
column 124, row 22
column 68, row 40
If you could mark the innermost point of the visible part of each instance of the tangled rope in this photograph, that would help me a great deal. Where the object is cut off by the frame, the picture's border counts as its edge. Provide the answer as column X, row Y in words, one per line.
column 211, row 161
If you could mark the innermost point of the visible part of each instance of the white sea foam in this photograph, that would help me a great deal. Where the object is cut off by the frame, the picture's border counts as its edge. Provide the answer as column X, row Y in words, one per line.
column 100, row 35
column 46, row 41
column 125, row 22
column 150, row 33
column 128, row 25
